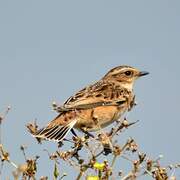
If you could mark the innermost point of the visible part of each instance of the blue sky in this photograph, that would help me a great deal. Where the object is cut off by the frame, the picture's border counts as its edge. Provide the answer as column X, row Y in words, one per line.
column 51, row 49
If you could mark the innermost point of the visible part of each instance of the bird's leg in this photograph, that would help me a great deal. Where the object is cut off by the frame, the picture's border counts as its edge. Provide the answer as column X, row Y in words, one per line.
column 74, row 133
column 86, row 132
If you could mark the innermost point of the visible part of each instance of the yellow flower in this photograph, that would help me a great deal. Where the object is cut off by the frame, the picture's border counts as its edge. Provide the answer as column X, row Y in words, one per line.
column 99, row 166
column 92, row 178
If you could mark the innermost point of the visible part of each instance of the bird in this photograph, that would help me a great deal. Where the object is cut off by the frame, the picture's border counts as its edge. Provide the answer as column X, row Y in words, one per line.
column 96, row 106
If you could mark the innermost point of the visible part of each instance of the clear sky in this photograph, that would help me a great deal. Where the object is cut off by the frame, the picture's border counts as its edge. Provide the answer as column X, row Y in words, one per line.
column 51, row 49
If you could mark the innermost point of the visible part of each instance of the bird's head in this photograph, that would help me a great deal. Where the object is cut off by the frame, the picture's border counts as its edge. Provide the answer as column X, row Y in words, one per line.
column 125, row 75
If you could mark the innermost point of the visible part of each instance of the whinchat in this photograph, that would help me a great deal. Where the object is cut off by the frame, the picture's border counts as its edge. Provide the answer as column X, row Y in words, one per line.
column 96, row 106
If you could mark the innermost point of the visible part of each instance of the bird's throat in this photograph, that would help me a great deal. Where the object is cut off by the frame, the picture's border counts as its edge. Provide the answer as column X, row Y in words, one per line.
column 128, row 86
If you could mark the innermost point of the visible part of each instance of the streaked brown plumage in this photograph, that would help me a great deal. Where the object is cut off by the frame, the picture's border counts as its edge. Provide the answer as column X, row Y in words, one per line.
column 96, row 106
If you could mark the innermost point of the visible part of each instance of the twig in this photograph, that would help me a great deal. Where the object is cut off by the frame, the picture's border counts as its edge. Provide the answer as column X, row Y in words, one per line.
column 13, row 164
column 129, row 176
column 2, row 117
column 113, row 161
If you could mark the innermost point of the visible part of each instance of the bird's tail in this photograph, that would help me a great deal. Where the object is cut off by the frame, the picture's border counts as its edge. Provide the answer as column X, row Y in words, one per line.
column 54, row 132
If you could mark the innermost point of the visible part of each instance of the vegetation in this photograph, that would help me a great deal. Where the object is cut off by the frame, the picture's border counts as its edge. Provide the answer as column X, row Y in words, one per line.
column 93, row 157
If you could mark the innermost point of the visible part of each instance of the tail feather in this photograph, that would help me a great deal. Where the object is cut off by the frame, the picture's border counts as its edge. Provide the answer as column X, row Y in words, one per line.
column 56, row 132
column 47, row 130
column 54, row 135
column 63, row 134
column 59, row 130
column 51, row 131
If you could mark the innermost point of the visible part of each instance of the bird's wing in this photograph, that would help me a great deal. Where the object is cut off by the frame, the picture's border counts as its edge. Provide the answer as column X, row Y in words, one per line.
column 99, row 94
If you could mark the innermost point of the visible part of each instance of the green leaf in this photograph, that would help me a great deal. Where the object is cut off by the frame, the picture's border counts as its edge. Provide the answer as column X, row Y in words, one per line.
column 56, row 171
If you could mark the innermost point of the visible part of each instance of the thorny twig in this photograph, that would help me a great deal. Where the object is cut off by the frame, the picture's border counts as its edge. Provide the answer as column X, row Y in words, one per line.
column 96, row 146
column 2, row 117
column 103, row 145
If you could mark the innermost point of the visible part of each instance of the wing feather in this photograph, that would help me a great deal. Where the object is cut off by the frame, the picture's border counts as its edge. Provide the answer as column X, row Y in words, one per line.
column 99, row 94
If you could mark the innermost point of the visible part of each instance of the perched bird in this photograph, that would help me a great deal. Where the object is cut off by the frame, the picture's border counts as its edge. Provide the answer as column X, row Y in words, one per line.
column 96, row 106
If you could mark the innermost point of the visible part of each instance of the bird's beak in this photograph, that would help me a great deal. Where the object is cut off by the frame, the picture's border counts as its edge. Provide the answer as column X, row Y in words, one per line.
column 143, row 73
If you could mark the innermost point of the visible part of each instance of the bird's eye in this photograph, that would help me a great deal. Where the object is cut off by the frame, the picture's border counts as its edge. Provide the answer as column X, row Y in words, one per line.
column 128, row 73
